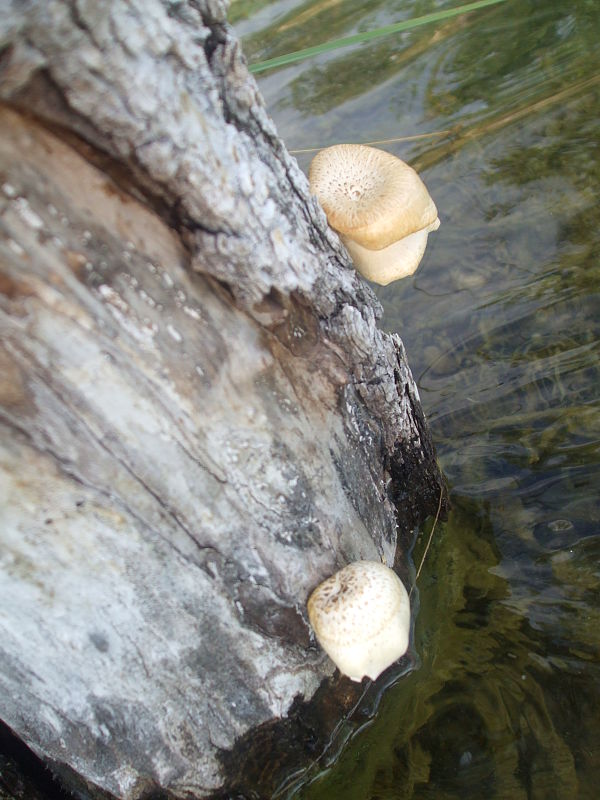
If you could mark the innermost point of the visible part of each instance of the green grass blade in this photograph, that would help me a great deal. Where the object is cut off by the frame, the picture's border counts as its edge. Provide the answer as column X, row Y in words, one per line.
column 359, row 38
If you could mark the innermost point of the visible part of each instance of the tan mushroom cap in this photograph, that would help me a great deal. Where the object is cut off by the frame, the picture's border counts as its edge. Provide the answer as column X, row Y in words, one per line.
column 361, row 618
column 370, row 196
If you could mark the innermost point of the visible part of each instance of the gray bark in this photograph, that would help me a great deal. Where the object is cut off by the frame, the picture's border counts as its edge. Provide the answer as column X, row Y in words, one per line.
column 200, row 419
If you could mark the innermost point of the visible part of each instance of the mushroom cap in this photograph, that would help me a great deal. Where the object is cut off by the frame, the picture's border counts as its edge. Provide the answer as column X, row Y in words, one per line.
column 370, row 196
column 398, row 260
column 361, row 618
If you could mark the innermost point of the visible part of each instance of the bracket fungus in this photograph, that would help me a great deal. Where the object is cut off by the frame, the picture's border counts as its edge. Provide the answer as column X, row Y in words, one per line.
column 379, row 207
column 361, row 618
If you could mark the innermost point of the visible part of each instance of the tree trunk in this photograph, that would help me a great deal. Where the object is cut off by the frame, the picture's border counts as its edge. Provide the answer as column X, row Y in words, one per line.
column 200, row 419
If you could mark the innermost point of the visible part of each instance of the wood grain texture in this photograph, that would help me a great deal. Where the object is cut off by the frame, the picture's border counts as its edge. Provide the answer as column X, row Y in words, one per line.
column 200, row 418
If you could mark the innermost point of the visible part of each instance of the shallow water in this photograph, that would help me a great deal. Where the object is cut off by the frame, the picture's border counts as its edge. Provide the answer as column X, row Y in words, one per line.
column 502, row 327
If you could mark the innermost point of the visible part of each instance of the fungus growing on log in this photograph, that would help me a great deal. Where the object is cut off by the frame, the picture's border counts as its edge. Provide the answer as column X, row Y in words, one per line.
column 361, row 618
column 199, row 416
column 378, row 205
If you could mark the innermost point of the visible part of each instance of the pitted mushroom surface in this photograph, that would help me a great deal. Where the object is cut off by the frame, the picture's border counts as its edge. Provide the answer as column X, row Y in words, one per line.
column 378, row 205
column 361, row 618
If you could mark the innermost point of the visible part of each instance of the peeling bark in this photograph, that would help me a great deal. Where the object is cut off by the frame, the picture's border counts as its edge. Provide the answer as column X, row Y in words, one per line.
column 200, row 418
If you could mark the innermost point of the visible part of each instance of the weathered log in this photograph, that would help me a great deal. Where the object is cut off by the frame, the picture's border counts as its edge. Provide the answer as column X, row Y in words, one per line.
column 200, row 418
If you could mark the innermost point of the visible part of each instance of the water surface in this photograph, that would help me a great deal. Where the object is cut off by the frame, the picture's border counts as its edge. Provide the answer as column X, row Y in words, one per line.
column 502, row 327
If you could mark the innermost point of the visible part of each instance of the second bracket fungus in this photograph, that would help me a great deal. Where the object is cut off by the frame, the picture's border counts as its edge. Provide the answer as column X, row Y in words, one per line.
column 378, row 205
column 361, row 618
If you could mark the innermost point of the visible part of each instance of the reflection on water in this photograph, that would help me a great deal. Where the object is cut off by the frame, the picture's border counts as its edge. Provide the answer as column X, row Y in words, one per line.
column 502, row 328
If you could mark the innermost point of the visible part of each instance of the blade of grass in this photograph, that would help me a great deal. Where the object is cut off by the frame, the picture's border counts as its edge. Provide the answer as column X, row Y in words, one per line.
column 359, row 38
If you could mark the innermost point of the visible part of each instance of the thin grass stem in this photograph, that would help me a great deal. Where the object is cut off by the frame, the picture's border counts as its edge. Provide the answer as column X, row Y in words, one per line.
column 437, row 516
column 413, row 138
column 366, row 36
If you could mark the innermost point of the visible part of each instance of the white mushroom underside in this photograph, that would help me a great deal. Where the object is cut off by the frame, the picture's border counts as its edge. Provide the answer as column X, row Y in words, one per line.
column 393, row 262
column 371, row 656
